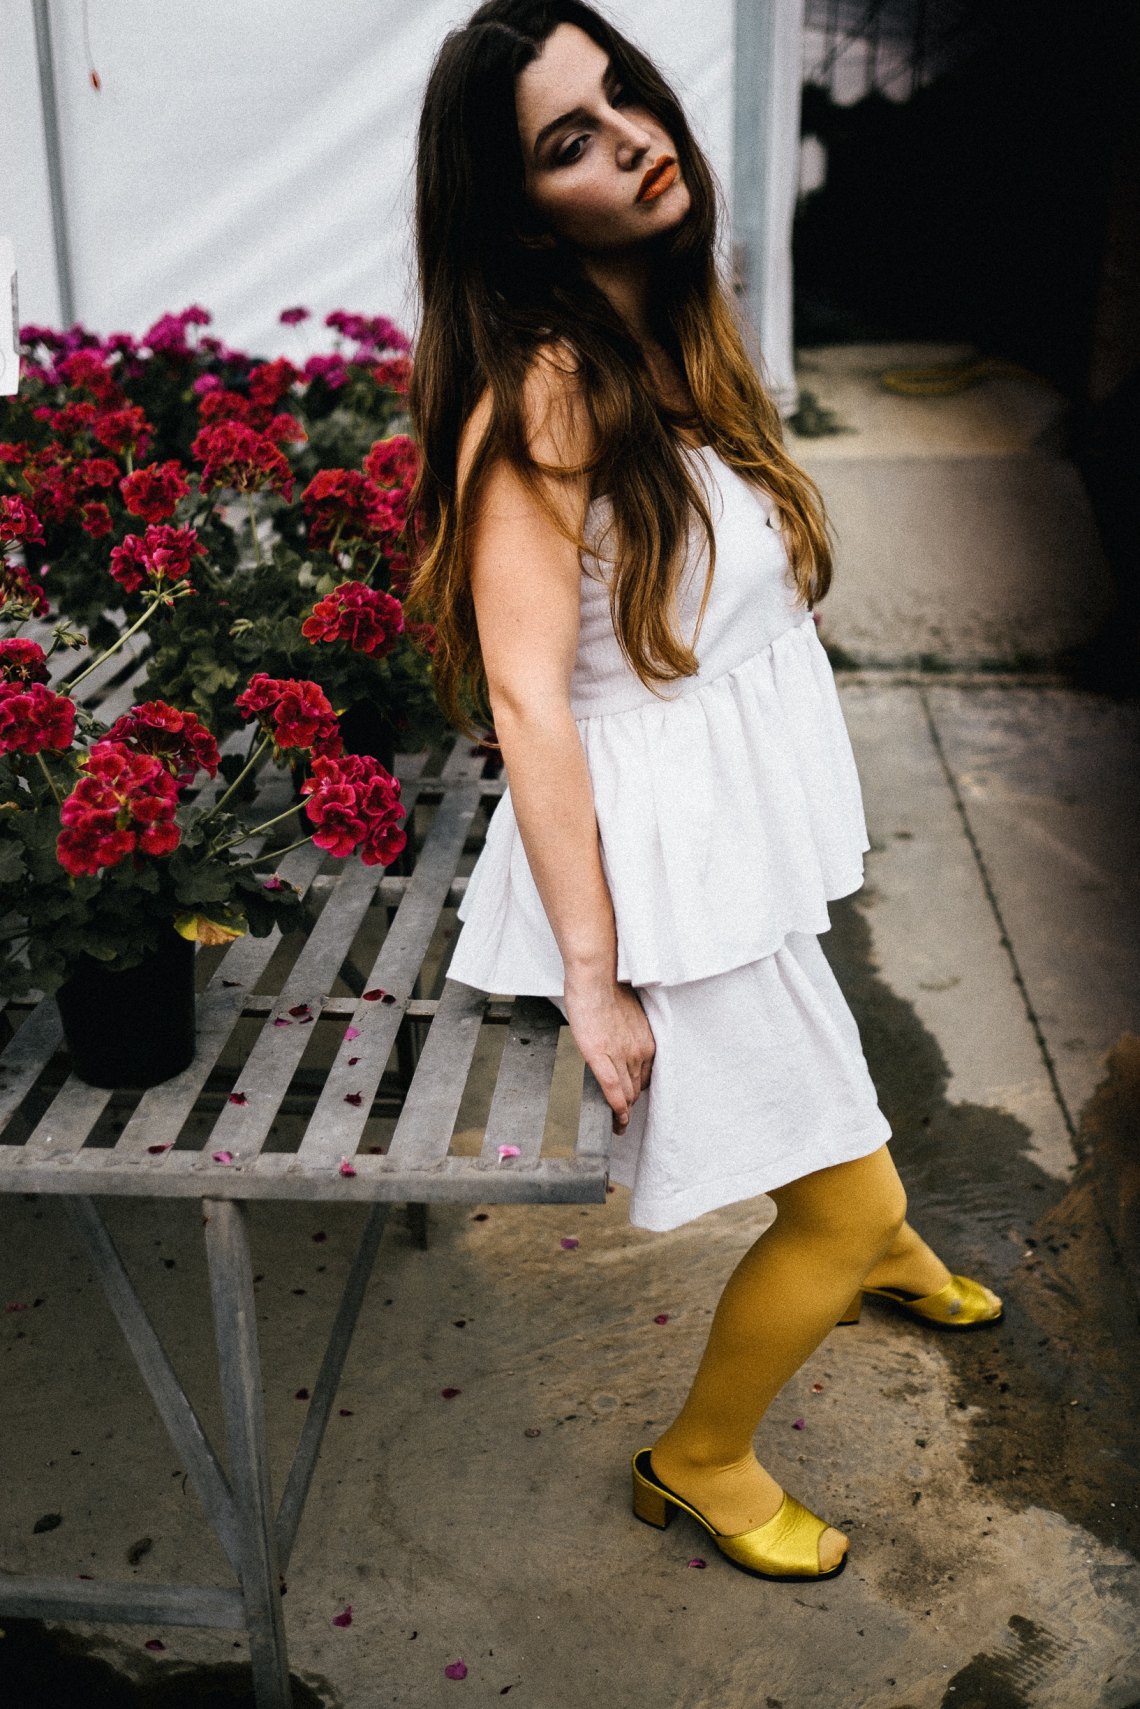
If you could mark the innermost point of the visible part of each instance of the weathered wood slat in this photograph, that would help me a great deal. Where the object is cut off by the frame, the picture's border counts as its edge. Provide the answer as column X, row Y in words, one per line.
column 23, row 1057
column 522, row 1091
column 35, row 1598
column 427, row 1120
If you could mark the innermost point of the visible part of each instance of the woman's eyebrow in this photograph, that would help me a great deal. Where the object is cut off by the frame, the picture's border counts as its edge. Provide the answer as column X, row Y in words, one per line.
column 576, row 114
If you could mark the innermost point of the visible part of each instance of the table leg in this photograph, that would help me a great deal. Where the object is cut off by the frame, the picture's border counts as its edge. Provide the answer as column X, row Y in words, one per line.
column 239, row 1366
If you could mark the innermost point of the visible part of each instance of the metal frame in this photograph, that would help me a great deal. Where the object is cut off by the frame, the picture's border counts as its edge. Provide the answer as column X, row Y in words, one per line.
column 416, row 1169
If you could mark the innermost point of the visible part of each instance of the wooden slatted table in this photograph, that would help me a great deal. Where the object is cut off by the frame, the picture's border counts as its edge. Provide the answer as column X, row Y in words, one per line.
column 56, row 1136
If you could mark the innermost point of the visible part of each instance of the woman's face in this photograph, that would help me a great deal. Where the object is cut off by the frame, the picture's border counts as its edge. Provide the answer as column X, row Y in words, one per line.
column 587, row 150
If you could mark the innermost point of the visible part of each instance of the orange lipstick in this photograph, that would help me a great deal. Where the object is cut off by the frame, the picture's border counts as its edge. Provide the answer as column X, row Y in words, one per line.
column 657, row 180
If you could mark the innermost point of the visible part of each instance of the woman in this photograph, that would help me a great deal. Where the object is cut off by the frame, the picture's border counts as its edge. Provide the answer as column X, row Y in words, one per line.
column 621, row 559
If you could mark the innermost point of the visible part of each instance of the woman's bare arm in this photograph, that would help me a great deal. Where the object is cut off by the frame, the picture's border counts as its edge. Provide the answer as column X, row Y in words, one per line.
column 525, row 585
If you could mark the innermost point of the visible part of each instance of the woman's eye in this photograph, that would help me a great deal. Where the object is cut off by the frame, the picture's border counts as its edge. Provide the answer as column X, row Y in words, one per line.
column 564, row 156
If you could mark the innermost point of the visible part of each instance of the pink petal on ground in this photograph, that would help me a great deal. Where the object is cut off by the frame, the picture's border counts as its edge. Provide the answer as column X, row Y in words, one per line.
column 569, row 1243
column 509, row 1151
column 817, row 1388
column 17, row 1305
column 238, row 1098
column 345, row 1167
column 299, row 1009
column 346, row 1412
column 456, row 1670
column 350, row 1033
column 154, row 1644
column 352, row 1061
column 611, row 1189
column 344, row 1618
column 273, row 883
column 374, row 995
column 450, row 1394
column 662, row 1317
column 280, row 1021
column 305, row 1019
column 154, row 1150
column 697, row 1562
column 301, row 1394
column 355, row 1098
column 222, row 1156
column 799, row 1424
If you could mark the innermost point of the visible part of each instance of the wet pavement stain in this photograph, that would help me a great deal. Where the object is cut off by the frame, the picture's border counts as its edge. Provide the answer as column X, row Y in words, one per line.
column 46, row 1668
column 1005, row 1679
column 1052, row 1393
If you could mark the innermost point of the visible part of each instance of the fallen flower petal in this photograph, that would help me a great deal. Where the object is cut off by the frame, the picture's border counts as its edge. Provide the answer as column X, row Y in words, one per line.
column 450, row 1394
column 509, row 1151
column 569, row 1243
column 456, row 1670
column 345, row 1167
column 344, row 1618
column 346, row 1412
column 280, row 1021
column 301, row 1394
column 662, row 1317
column 352, row 1061
column 799, row 1424
column 238, row 1098
column 155, row 1149
column 697, row 1562
column 354, row 1098
column 350, row 1033
column 17, row 1305
column 222, row 1156
column 320, row 1235
column 299, row 1009
column 817, row 1388
column 154, row 1644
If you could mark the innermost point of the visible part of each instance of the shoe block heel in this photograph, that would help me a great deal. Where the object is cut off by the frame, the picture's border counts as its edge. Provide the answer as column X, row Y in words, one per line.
column 854, row 1310
column 651, row 1506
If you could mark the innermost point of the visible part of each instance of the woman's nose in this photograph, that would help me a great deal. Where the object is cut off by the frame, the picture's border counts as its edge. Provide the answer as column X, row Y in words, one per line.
column 634, row 140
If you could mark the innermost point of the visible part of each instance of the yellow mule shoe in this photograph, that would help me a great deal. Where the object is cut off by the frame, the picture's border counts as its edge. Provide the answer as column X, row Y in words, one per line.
column 784, row 1547
column 961, row 1304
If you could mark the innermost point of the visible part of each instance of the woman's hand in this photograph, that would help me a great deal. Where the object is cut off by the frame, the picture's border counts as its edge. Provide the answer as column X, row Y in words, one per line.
column 611, row 1030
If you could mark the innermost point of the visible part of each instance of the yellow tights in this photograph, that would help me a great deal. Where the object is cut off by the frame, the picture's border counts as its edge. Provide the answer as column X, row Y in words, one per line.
column 833, row 1229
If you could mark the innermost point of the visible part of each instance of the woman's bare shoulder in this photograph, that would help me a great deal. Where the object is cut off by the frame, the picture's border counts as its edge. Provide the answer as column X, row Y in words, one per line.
column 555, row 418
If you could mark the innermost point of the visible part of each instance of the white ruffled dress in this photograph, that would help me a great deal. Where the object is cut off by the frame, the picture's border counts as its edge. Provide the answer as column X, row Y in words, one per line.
column 729, row 814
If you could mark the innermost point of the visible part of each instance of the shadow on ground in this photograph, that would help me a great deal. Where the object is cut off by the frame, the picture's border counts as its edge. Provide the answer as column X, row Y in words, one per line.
column 1052, row 1394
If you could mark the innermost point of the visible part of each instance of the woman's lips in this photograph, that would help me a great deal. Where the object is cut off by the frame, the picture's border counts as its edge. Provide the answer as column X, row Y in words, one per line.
column 657, row 180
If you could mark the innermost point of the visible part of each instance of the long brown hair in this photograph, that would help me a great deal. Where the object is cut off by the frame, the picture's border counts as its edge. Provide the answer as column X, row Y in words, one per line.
column 491, row 299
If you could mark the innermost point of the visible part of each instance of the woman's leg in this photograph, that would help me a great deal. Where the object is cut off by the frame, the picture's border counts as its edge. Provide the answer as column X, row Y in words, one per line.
column 781, row 1300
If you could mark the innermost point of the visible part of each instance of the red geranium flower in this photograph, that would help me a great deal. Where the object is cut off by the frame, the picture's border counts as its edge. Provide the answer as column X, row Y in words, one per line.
column 33, row 718
column 153, row 491
column 345, row 504
column 22, row 661
column 354, row 803
column 17, row 588
column 179, row 739
column 269, row 382
column 87, row 370
column 296, row 714
column 123, row 804
column 123, row 429
column 395, row 373
column 162, row 555
column 393, row 462
column 18, row 521
column 95, row 519
column 237, row 456
column 370, row 621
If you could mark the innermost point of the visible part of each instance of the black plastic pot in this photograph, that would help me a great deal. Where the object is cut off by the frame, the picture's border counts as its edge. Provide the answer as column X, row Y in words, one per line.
column 365, row 730
column 131, row 1027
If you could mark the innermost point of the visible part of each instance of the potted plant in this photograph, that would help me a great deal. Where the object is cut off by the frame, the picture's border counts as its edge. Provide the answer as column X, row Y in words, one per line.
column 114, row 862
column 294, row 479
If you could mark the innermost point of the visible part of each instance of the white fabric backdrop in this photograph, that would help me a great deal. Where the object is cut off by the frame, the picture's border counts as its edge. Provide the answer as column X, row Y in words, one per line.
column 254, row 156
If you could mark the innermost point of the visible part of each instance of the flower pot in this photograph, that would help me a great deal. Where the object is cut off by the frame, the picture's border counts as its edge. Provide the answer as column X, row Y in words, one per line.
column 131, row 1027
column 366, row 730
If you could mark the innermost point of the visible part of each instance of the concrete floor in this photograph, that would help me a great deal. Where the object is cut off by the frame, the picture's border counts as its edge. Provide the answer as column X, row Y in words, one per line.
column 990, row 1482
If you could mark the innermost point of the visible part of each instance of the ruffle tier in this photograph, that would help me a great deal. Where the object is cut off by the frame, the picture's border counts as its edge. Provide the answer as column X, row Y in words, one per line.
column 728, row 817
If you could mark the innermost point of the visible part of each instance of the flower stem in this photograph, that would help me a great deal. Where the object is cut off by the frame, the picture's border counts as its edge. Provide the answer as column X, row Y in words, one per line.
column 257, row 557
column 242, row 774
column 255, row 831
column 50, row 780
column 277, row 853
column 70, row 687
